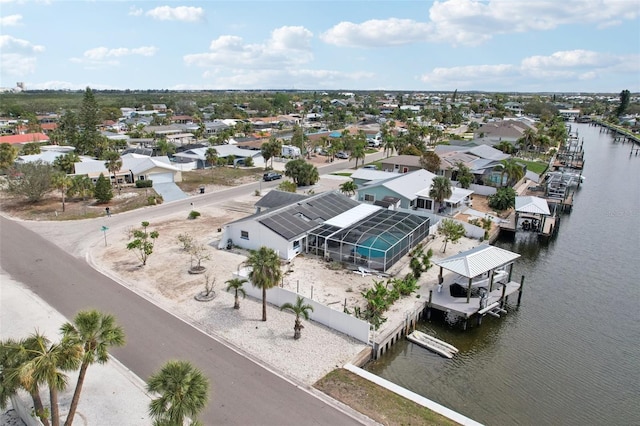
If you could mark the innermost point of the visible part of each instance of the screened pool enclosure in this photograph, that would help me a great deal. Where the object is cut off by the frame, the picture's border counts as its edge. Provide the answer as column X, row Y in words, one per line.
column 376, row 242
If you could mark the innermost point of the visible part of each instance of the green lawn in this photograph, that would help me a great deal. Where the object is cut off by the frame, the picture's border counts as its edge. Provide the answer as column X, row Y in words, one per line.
column 537, row 167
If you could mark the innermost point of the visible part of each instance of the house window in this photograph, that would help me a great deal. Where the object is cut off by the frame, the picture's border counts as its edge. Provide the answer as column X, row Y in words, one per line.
column 369, row 198
column 424, row 204
column 296, row 244
column 244, row 235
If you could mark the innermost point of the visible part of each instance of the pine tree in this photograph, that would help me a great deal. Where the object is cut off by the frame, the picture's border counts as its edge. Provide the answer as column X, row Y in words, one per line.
column 88, row 121
column 103, row 191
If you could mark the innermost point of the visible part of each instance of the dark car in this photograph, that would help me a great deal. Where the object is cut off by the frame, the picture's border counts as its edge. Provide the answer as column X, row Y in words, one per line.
column 342, row 155
column 271, row 176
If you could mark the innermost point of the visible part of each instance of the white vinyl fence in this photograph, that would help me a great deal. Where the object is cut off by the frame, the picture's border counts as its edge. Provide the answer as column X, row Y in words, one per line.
column 336, row 320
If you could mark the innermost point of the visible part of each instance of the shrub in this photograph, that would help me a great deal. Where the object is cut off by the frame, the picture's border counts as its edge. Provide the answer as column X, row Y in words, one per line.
column 193, row 214
column 144, row 183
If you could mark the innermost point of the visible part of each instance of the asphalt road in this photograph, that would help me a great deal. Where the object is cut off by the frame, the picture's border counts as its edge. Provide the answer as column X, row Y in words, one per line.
column 243, row 392
column 49, row 257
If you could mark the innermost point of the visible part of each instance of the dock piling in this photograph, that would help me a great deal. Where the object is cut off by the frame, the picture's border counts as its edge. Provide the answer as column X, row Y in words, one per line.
column 520, row 290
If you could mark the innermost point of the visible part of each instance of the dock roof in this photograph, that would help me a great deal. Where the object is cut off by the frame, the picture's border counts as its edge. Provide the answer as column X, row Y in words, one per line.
column 478, row 260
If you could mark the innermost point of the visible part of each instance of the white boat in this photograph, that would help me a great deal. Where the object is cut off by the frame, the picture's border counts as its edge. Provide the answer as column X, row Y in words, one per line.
column 435, row 345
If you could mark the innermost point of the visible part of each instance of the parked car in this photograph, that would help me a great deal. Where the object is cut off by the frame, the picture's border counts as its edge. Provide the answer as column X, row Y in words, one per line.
column 271, row 176
column 342, row 155
column 370, row 167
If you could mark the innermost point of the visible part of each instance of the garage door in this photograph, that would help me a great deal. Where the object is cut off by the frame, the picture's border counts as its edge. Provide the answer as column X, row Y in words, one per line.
column 161, row 177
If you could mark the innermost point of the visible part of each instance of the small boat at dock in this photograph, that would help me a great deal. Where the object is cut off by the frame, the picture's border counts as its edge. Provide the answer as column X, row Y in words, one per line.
column 435, row 345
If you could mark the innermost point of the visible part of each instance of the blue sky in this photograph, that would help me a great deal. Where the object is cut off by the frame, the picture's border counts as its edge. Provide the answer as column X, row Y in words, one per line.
column 496, row 45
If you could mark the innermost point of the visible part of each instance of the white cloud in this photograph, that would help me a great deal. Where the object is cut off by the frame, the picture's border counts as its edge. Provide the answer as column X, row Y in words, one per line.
column 15, row 64
column 10, row 21
column 563, row 67
column 18, row 56
column 376, row 33
column 287, row 46
column 12, row 44
column 104, row 56
column 468, row 77
column 66, row 85
column 280, row 79
column 180, row 13
column 135, row 11
column 472, row 22
column 568, row 59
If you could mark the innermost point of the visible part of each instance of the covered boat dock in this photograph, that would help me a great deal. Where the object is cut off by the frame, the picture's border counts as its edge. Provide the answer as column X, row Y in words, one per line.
column 479, row 283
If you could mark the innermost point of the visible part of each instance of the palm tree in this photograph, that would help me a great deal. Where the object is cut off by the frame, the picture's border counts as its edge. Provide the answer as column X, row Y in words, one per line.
column 464, row 175
column 164, row 147
column 62, row 182
column 358, row 153
column 113, row 163
column 96, row 332
column 183, row 392
column 265, row 272
column 235, row 284
column 440, row 189
column 512, row 169
column 14, row 353
column 46, row 364
column 300, row 309
column 211, row 155
column 349, row 188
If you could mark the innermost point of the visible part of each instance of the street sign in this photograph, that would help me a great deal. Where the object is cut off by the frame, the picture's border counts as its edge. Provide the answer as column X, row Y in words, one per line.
column 104, row 228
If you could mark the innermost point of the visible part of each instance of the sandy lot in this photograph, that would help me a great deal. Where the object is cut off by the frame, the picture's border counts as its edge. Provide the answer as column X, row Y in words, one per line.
column 167, row 282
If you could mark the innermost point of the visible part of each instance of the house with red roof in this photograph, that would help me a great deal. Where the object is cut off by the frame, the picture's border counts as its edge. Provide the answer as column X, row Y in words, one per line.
column 25, row 138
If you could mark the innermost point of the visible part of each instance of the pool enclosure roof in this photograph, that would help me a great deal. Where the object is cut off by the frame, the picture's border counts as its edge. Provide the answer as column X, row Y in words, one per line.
column 387, row 226
column 478, row 260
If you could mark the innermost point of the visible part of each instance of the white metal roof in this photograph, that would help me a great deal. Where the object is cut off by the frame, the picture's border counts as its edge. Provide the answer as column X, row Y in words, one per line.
column 352, row 215
column 530, row 204
column 478, row 260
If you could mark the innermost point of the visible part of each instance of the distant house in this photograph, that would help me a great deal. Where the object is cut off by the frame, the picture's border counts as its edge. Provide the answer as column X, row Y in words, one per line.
column 199, row 155
column 134, row 167
column 401, row 163
column 24, row 139
column 504, row 130
column 481, row 161
column 410, row 191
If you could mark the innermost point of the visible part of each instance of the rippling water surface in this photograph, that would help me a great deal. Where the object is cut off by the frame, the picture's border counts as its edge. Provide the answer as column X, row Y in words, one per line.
column 569, row 355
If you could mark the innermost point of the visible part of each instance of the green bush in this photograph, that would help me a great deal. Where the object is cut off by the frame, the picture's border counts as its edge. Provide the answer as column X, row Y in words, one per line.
column 144, row 183
column 193, row 214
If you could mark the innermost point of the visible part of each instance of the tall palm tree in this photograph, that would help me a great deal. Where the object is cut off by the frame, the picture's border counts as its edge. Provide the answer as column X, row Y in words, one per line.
column 183, row 392
column 440, row 189
column 14, row 353
column 300, row 309
column 235, row 284
column 46, row 364
column 265, row 272
column 95, row 332
column 62, row 182
column 211, row 155
column 358, row 153
column 113, row 163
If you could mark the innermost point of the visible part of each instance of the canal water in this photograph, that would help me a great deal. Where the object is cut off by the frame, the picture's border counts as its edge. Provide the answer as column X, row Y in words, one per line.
column 569, row 354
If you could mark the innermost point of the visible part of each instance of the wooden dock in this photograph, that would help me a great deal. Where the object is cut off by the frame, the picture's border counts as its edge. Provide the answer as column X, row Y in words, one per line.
column 443, row 301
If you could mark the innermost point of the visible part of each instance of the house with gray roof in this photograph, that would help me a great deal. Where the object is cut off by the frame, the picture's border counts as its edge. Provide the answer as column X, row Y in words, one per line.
column 333, row 226
column 481, row 160
column 411, row 190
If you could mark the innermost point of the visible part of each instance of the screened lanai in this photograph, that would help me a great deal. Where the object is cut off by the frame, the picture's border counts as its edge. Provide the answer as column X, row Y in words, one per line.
column 375, row 242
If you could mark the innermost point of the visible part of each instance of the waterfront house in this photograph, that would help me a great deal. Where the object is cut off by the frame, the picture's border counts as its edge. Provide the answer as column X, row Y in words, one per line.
column 410, row 189
column 332, row 226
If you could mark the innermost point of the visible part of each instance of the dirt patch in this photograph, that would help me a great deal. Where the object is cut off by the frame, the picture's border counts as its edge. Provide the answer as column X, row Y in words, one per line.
column 50, row 207
column 377, row 402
